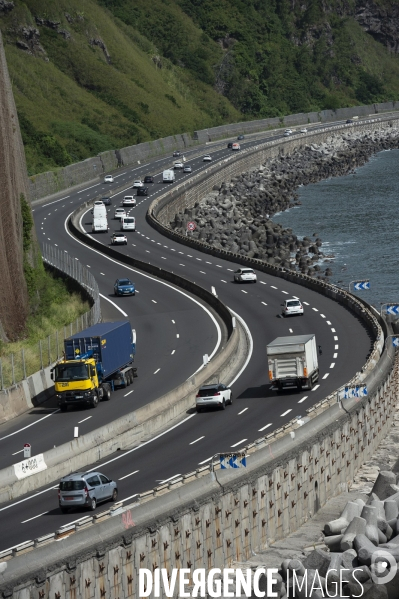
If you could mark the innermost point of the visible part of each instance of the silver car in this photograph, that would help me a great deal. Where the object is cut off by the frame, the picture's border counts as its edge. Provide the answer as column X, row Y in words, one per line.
column 85, row 489
column 245, row 275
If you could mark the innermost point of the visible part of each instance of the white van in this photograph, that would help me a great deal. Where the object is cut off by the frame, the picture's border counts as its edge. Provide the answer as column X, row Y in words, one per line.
column 128, row 223
column 168, row 176
column 100, row 222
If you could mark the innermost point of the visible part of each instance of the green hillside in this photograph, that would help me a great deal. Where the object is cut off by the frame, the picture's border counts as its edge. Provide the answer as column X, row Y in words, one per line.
column 100, row 74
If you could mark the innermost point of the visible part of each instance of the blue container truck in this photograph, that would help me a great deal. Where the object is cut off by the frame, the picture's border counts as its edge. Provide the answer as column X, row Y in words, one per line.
column 95, row 361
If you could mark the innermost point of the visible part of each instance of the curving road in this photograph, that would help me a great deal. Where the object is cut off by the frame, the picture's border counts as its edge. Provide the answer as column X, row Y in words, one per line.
column 256, row 410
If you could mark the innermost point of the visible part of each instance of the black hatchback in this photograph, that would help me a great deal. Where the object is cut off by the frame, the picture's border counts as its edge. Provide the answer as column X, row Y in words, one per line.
column 230, row 145
column 148, row 179
column 142, row 191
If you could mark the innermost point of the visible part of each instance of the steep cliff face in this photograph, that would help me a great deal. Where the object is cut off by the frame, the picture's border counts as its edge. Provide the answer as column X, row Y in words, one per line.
column 14, row 302
column 380, row 21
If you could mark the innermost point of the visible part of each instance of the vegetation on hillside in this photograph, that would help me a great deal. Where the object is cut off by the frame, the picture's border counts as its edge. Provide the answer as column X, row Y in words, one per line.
column 110, row 73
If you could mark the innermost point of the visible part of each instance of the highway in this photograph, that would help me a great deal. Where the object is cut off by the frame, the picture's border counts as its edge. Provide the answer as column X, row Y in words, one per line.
column 173, row 333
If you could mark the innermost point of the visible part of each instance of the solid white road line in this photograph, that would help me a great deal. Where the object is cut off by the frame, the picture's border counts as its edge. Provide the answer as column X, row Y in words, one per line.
column 20, row 451
column 168, row 479
column 264, row 427
column 205, row 461
column 242, row 411
column 29, row 425
column 286, row 412
column 127, row 475
column 84, row 420
column 239, row 442
column 199, row 439
column 250, row 348
column 113, row 303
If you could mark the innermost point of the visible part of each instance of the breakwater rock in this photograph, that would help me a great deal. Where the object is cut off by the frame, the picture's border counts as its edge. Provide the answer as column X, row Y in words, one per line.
column 237, row 215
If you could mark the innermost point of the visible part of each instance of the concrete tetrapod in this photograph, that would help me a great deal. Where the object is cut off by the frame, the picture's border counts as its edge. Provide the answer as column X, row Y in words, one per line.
column 356, row 527
column 382, row 485
column 370, row 515
column 391, row 509
column 334, row 527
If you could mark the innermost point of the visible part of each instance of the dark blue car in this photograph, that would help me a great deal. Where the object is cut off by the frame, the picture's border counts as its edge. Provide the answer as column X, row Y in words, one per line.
column 124, row 287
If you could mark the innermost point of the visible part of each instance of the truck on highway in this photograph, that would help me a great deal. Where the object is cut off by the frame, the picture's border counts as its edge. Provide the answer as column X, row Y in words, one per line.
column 95, row 361
column 292, row 362
column 168, row 176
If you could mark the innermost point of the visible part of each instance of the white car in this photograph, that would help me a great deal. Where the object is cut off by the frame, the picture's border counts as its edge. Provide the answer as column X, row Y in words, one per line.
column 119, row 238
column 119, row 213
column 108, row 179
column 207, row 158
column 216, row 395
column 138, row 183
column 129, row 201
column 303, row 130
column 292, row 306
column 289, row 131
column 287, row 134
column 245, row 274
column 178, row 164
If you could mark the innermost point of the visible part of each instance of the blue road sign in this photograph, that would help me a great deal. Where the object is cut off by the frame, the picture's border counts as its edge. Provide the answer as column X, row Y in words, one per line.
column 395, row 341
column 360, row 285
column 233, row 460
column 392, row 309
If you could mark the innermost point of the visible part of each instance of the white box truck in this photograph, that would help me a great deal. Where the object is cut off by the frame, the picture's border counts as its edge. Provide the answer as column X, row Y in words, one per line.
column 168, row 176
column 100, row 222
column 292, row 362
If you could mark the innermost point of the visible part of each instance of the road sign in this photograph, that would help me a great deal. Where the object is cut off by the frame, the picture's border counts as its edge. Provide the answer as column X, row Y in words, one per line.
column 191, row 225
column 353, row 391
column 392, row 309
column 232, row 460
column 395, row 341
column 27, row 450
column 360, row 285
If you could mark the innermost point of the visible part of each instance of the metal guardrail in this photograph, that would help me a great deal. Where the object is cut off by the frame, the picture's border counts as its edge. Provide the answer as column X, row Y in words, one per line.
column 18, row 366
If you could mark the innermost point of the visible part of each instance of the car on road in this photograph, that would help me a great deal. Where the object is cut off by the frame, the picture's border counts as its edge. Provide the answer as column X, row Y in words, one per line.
column 124, row 287
column 348, row 121
column 230, row 145
column 243, row 275
column 106, row 200
column 142, row 191
column 138, row 183
column 85, row 489
column 108, row 179
column 119, row 213
column 216, row 395
column 128, row 223
column 119, row 239
column 129, row 201
column 292, row 306
column 148, row 179
column 207, row 158
column 286, row 134
column 289, row 131
column 178, row 164
column 240, row 137
column 236, row 146
column 303, row 130
column 187, row 169
column 176, row 154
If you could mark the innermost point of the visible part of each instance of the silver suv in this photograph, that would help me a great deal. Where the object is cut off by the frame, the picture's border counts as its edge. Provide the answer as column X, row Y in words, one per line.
column 85, row 489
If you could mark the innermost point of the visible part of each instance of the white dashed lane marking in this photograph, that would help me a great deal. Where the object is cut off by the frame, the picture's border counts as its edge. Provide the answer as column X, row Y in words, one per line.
column 265, row 427
column 239, row 442
column 306, row 303
column 196, row 441
column 326, row 375
column 242, row 411
column 335, row 356
column 333, row 330
column 336, row 347
column 264, row 303
column 286, row 412
column 158, row 369
column 332, row 364
column 286, row 292
column 315, row 309
column 335, row 338
column 315, row 387
column 303, row 399
column 154, row 301
column 273, row 287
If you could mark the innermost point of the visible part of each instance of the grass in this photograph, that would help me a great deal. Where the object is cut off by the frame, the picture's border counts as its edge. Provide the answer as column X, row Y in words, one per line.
column 58, row 317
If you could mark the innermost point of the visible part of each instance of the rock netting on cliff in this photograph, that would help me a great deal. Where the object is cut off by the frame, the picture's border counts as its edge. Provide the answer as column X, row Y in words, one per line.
column 236, row 216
